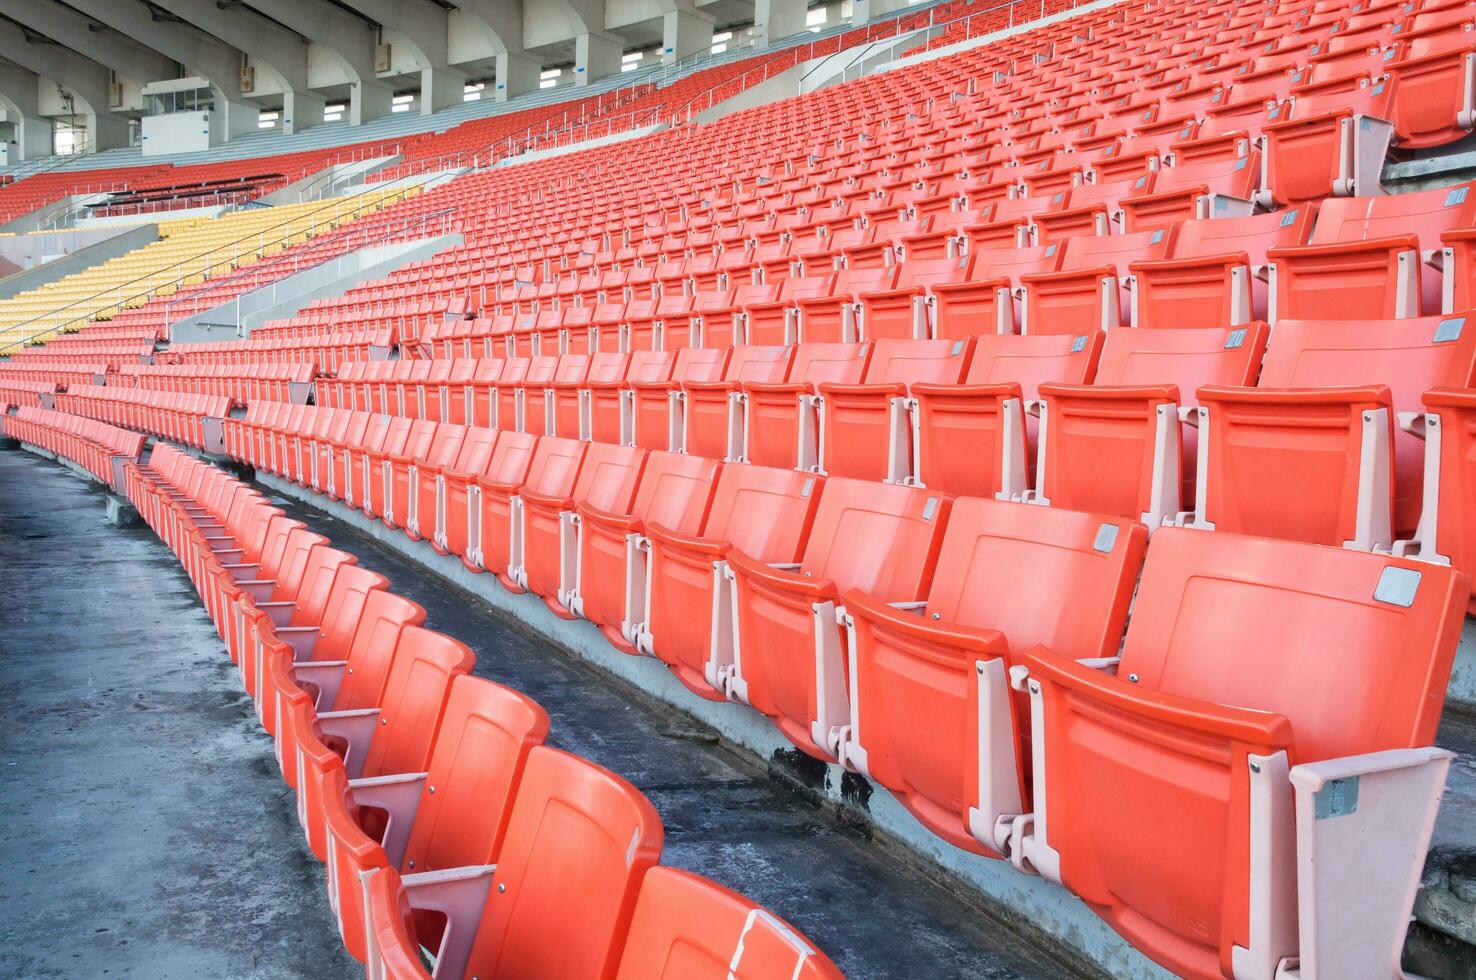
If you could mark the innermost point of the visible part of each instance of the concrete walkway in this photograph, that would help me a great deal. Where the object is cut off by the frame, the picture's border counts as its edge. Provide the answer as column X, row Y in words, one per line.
column 145, row 829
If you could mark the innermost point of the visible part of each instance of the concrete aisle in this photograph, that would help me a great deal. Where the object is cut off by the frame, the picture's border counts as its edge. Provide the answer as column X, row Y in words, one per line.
column 145, row 829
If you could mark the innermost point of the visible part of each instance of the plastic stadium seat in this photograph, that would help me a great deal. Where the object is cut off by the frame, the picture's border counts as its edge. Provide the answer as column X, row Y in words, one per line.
column 932, row 716
column 832, row 318
column 1317, row 452
column 497, row 543
column 712, row 411
column 453, row 482
column 451, row 817
column 1088, row 291
column 1210, row 189
column 607, row 481
column 1215, row 273
column 1231, row 746
column 394, row 464
column 780, row 427
column 762, row 511
column 610, row 400
column 299, row 597
column 560, row 900
column 977, row 437
column 655, row 416
column 607, row 582
column 1364, row 257
column 686, row 927
column 424, row 480
column 1331, row 142
column 1447, row 531
column 864, row 430
column 898, row 313
column 1435, row 100
column 1116, row 446
column 390, row 738
column 788, row 659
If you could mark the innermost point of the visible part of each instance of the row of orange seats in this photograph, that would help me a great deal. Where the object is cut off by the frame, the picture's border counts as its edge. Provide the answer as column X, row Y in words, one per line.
column 905, row 634
column 429, row 792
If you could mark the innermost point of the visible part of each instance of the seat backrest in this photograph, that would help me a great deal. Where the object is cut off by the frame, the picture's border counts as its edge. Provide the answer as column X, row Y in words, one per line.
column 881, row 538
column 1029, row 359
column 906, row 361
column 764, row 511
column 817, row 363
column 997, row 554
column 1424, row 213
column 1115, row 251
column 445, row 444
column 647, row 366
column 687, row 927
column 1252, row 234
column 476, row 763
column 1187, row 357
column 609, row 477
column 555, row 465
column 372, row 651
column 1354, row 649
column 749, row 362
column 476, row 449
column 676, row 491
column 700, row 364
column 414, row 698
column 319, row 571
column 344, row 610
column 578, row 843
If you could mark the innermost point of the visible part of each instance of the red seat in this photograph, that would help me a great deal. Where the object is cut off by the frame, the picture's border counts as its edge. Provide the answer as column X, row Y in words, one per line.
column 1435, row 100
column 898, row 312
column 977, row 438
column 832, row 318
column 1332, row 142
column 1216, row 272
column 1312, row 453
column 712, row 411
column 762, row 511
column 453, row 488
column 780, row 427
column 607, row 584
column 610, row 414
column 932, row 717
column 607, row 480
column 494, row 529
column 451, row 816
column 1230, row 747
column 1364, row 257
column 560, row 900
column 687, row 927
column 864, row 430
column 424, row 480
column 1087, row 293
column 391, row 737
column 656, row 407
column 1207, row 189
column 1116, row 446
column 788, row 659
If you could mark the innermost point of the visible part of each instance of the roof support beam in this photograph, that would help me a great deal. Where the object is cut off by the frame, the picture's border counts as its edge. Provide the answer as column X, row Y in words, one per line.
column 216, row 62
column 280, row 52
column 501, row 22
column 343, row 40
column 66, row 26
column 685, row 31
column 82, row 83
column 423, row 25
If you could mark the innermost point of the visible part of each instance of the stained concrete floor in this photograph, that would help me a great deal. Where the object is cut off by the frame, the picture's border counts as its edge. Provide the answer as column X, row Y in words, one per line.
column 149, row 834
column 145, row 830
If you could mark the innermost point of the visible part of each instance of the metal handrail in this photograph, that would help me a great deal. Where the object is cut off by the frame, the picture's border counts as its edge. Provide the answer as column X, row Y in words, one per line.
column 262, row 244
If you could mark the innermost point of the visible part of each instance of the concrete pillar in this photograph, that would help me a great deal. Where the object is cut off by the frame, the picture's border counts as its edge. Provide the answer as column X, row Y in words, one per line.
column 833, row 14
column 864, row 11
column 684, row 33
column 32, row 138
column 596, row 56
column 516, row 74
column 774, row 20
column 301, row 110
column 440, row 89
column 368, row 102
